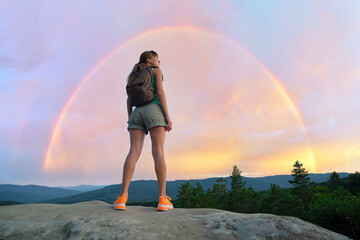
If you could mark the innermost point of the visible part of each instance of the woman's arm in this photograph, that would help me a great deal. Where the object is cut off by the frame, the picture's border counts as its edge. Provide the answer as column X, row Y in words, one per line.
column 129, row 107
column 161, row 95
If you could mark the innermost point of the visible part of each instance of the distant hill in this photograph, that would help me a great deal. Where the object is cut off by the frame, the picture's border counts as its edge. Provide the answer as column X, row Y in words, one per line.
column 84, row 188
column 147, row 190
column 282, row 180
column 32, row 193
column 143, row 190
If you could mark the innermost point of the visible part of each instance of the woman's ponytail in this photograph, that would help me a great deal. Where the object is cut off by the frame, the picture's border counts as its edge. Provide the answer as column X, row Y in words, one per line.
column 135, row 71
column 140, row 65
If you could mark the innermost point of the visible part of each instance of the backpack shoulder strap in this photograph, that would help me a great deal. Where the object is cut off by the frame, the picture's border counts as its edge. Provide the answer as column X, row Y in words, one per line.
column 150, row 70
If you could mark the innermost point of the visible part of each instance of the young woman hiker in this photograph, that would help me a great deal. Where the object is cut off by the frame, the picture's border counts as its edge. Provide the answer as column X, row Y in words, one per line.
column 154, row 118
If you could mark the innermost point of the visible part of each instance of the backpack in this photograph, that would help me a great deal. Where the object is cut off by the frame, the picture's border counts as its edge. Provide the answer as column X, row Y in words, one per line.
column 141, row 90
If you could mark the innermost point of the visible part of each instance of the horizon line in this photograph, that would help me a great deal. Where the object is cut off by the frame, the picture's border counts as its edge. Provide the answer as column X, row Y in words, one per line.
column 224, row 176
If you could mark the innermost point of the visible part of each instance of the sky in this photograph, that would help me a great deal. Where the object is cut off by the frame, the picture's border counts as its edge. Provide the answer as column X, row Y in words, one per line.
column 257, row 84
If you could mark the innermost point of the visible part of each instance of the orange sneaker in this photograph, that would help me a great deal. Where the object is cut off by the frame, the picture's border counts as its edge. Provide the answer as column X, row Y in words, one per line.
column 164, row 203
column 119, row 204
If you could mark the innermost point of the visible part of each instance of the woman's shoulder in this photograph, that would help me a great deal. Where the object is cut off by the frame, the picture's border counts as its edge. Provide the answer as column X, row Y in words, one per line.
column 157, row 71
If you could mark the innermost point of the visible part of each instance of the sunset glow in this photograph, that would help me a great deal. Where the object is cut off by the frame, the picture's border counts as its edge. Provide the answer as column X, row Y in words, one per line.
column 209, row 151
column 248, row 84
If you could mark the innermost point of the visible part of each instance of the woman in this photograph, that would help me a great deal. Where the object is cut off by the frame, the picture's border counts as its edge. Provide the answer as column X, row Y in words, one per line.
column 154, row 118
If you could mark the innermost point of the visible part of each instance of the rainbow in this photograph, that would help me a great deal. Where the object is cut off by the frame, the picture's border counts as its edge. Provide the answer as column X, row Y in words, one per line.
column 184, row 28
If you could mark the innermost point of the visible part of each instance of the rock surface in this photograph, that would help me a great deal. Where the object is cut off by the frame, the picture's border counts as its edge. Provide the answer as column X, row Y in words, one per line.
column 97, row 220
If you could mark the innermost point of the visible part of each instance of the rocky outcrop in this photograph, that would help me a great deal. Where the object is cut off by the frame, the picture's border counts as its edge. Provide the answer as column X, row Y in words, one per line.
column 97, row 220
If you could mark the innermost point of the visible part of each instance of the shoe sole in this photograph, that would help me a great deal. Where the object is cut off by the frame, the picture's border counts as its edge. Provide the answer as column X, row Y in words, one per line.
column 119, row 206
column 164, row 207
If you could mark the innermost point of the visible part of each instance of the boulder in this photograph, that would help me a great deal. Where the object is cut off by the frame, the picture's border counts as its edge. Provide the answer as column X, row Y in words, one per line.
column 97, row 220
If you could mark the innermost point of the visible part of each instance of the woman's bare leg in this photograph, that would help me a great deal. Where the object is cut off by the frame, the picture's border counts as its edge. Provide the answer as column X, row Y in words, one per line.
column 136, row 143
column 157, row 135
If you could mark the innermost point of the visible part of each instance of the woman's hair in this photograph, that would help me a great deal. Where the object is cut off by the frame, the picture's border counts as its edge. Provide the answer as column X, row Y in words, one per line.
column 140, row 65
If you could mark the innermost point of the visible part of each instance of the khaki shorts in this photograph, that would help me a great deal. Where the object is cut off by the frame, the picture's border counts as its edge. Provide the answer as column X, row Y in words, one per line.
column 146, row 117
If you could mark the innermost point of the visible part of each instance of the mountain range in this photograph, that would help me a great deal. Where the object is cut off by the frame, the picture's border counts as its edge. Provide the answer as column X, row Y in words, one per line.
column 32, row 193
column 139, row 191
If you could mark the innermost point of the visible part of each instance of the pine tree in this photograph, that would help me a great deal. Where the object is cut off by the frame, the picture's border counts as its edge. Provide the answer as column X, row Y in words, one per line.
column 198, row 196
column 353, row 183
column 185, row 194
column 271, row 199
column 237, row 185
column 236, row 180
column 209, row 199
column 301, row 176
column 219, row 193
column 334, row 181
column 302, row 185
column 249, row 201
column 291, row 205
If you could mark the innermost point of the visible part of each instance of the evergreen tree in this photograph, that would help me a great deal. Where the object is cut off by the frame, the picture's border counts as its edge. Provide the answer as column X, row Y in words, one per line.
column 271, row 200
column 219, row 193
column 185, row 194
column 249, row 201
column 198, row 196
column 281, row 202
column 236, row 180
column 291, row 205
column 353, row 183
column 237, row 185
column 208, row 199
column 301, row 176
column 302, row 185
column 334, row 181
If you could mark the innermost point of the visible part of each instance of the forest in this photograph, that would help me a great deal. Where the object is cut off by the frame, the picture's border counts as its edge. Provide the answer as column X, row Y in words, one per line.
column 334, row 204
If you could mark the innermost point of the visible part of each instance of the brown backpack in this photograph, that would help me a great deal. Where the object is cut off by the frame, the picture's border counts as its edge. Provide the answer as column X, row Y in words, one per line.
column 141, row 90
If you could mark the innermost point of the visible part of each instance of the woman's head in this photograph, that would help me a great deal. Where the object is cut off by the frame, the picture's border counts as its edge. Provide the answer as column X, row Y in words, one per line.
column 150, row 59
column 147, row 59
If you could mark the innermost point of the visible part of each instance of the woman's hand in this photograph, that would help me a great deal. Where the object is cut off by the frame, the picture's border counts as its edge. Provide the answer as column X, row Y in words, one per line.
column 169, row 124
